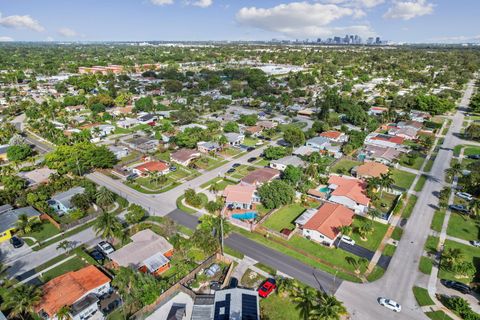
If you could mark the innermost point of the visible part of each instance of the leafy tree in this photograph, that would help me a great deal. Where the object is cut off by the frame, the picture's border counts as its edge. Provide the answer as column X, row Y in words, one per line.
column 231, row 126
column 328, row 308
column 135, row 214
column 24, row 224
column 81, row 201
column 276, row 194
column 293, row 175
column 294, row 136
column 248, row 119
column 18, row 152
column 66, row 246
column 108, row 226
column 21, row 301
column 213, row 206
column 105, row 197
column 275, row 153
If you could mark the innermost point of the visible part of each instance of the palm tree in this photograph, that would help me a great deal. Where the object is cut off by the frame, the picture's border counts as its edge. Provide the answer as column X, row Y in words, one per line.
column 214, row 188
column 452, row 256
column 365, row 230
column 386, row 182
column 474, row 207
column 25, row 225
column 304, row 298
column 454, row 170
column 346, row 230
column 21, row 300
column 374, row 214
column 63, row 313
column 65, row 245
column 285, row 286
column 104, row 197
column 312, row 171
column 328, row 308
column 108, row 226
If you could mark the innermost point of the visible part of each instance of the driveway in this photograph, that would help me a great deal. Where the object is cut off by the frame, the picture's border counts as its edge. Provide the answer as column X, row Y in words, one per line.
column 9, row 253
column 355, row 249
column 473, row 298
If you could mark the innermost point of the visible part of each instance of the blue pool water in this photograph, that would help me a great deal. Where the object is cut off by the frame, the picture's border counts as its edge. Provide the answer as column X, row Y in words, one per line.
column 323, row 189
column 245, row 216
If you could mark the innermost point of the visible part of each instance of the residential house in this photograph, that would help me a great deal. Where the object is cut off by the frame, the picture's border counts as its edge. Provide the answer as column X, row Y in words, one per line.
column 191, row 126
column 184, row 156
column 304, row 151
column 148, row 252
column 240, row 196
column 234, row 139
column 147, row 118
column 61, row 202
column 119, row 111
column 349, row 192
column 282, row 163
column 37, row 176
column 9, row 218
column 102, row 130
column 385, row 155
column 385, row 140
column 79, row 290
column 151, row 166
column 377, row 111
column 254, row 131
column 119, row 152
column 322, row 144
column 267, row 124
column 76, row 108
column 370, row 170
column 307, row 112
column 143, row 144
column 127, row 123
column 234, row 304
column 323, row 225
column 208, row 146
column 419, row 116
column 334, row 136
column 406, row 133
column 416, row 125
column 260, row 176
column 3, row 152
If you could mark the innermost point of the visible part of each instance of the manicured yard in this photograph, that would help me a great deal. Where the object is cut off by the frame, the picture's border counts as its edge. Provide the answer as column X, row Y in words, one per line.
column 422, row 296
column 437, row 315
column 463, row 227
column 374, row 239
column 344, row 166
column 250, row 142
column 279, row 307
column 266, row 268
column 397, row 233
column 402, row 179
column 242, row 171
column 385, row 202
column 471, row 150
column 43, row 231
column 233, row 252
column 437, row 220
column 421, row 182
column 284, row 217
column 425, row 265
column 376, row 274
column 407, row 211
column 417, row 163
column 231, row 152
column 262, row 162
column 389, row 250
column 209, row 163
column 429, row 165
column 470, row 254
column 431, row 244
column 71, row 265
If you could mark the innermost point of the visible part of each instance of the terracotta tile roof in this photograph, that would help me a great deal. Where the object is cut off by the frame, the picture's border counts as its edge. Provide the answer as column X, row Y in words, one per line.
column 349, row 187
column 331, row 134
column 261, row 175
column 329, row 218
column 152, row 166
column 254, row 129
column 70, row 287
column 395, row 139
column 239, row 193
column 371, row 169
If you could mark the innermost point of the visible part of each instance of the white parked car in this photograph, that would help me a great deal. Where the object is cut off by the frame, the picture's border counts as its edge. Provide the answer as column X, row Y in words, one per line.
column 465, row 196
column 347, row 240
column 475, row 243
column 105, row 247
column 390, row 304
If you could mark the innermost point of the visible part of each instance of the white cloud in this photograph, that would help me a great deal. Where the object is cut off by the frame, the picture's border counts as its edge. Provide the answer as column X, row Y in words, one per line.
column 302, row 19
column 407, row 10
column 161, row 2
column 67, row 32
column 5, row 39
column 21, row 22
column 202, row 3
column 457, row 39
column 356, row 3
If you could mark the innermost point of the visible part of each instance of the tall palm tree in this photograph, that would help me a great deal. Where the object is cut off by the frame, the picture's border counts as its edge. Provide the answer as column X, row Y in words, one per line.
column 474, row 207
column 108, row 226
column 386, row 182
column 374, row 214
column 214, row 188
column 346, row 230
column 21, row 300
column 312, row 171
column 454, row 170
column 25, row 225
column 104, row 197
column 304, row 298
column 63, row 313
column 328, row 308
column 65, row 245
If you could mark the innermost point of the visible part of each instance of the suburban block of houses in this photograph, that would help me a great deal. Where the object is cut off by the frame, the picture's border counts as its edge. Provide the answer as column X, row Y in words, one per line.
column 240, row 196
column 9, row 217
column 61, row 202
column 282, row 163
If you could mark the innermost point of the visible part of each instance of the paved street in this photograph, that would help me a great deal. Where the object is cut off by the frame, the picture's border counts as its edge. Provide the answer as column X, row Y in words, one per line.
column 403, row 273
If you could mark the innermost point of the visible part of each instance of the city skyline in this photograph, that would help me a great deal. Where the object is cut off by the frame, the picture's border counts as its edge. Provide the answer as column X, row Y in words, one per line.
column 398, row 21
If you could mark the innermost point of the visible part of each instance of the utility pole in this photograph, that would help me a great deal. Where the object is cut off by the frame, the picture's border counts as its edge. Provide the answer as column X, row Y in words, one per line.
column 221, row 232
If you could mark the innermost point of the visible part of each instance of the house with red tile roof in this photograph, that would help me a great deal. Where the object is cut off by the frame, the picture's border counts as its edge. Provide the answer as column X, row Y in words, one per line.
column 260, row 176
column 350, row 192
column 384, row 140
column 79, row 290
column 151, row 166
column 370, row 169
column 323, row 225
column 240, row 196
column 335, row 136
column 255, row 131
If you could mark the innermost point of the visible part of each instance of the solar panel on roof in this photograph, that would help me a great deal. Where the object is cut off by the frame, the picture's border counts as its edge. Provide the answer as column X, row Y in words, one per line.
column 249, row 307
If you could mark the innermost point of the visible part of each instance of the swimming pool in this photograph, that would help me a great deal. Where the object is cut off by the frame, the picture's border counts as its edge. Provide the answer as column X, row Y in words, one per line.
column 245, row 216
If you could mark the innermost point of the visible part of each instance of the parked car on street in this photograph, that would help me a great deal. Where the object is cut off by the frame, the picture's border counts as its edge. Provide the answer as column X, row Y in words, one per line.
column 455, row 285
column 105, row 247
column 236, row 165
column 231, row 170
column 458, row 208
column 347, row 240
column 251, row 159
column 97, row 255
column 16, row 242
column 390, row 304
column 267, row 288
column 465, row 196
column 474, row 156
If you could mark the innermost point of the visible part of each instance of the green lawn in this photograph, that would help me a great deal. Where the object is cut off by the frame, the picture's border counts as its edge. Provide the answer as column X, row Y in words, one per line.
column 437, row 220
column 242, row 171
column 250, row 142
column 417, row 163
column 407, row 211
column 231, row 152
column 431, row 244
column 374, row 239
column 344, row 166
column 420, row 183
column 284, row 217
column 385, row 202
column 376, row 274
column 43, row 231
column 71, row 265
column 425, row 265
column 471, row 150
column 402, row 179
column 429, row 165
column 266, row 268
column 389, row 250
column 463, row 227
column 437, row 315
column 233, row 252
column 279, row 308
column 397, row 233
column 262, row 162
column 422, row 296
column 470, row 254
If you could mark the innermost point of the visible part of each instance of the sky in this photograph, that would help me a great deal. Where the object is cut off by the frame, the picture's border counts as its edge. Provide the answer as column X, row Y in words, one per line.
column 409, row 21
